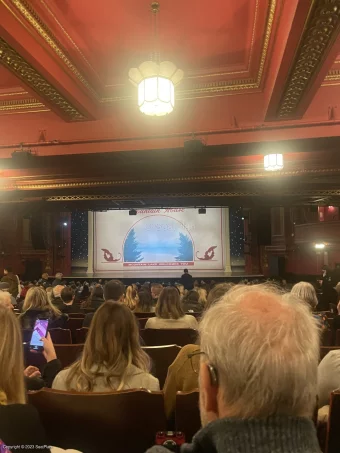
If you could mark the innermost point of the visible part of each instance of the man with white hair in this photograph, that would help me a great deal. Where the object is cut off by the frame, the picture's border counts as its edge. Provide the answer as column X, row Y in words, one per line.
column 258, row 375
column 58, row 279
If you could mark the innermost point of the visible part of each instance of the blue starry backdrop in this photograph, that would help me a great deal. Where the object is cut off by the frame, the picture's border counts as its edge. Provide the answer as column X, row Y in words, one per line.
column 79, row 236
column 236, row 225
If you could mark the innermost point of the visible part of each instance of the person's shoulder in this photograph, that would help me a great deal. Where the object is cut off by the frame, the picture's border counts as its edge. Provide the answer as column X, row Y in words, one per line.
column 190, row 318
column 157, row 449
column 151, row 322
column 59, row 380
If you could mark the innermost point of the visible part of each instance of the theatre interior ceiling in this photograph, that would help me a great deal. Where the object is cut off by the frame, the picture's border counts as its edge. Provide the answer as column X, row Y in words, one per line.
column 260, row 77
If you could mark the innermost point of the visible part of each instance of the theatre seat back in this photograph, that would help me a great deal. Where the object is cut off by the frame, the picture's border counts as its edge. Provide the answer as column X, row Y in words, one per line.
column 158, row 337
column 81, row 334
column 68, row 353
column 187, row 414
column 119, row 422
column 162, row 357
column 60, row 336
column 333, row 432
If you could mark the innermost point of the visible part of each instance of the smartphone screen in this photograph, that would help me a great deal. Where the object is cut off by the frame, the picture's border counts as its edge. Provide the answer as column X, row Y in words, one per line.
column 40, row 330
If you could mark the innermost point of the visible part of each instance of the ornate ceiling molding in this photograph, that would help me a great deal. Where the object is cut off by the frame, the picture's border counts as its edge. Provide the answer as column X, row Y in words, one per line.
column 287, row 193
column 24, row 71
column 21, row 104
column 199, row 89
column 23, row 183
column 321, row 29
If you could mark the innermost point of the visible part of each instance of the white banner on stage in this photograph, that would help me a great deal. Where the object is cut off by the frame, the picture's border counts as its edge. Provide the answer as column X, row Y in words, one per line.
column 159, row 239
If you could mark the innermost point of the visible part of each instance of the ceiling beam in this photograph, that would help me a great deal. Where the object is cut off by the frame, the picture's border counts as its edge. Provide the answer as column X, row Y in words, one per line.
column 311, row 49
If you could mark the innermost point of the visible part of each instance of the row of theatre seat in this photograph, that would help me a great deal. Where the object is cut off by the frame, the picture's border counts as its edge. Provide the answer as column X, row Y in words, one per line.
column 119, row 422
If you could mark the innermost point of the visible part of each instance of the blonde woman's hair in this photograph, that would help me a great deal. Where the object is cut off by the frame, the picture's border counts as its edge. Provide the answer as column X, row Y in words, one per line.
column 131, row 298
column 202, row 293
column 12, row 389
column 111, row 346
column 169, row 304
column 306, row 292
column 37, row 299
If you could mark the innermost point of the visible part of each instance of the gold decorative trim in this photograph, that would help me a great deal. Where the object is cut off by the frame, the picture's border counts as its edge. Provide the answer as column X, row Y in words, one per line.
column 24, row 71
column 14, row 93
column 32, row 17
column 332, row 76
column 220, row 87
column 22, row 184
column 138, row 196
column 20, row 104
column 322, row 26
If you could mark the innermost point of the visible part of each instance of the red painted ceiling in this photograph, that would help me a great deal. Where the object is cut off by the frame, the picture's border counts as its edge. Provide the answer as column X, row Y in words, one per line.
column 240, row 60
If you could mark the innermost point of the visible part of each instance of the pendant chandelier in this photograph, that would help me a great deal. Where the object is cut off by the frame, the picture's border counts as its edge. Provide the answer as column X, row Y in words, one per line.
column 156, row 80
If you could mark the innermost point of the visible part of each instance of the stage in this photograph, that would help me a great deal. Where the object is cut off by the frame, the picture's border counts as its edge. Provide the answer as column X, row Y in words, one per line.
column 164, row 277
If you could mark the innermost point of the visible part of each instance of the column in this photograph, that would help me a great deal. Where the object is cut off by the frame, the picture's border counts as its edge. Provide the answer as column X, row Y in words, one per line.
column 227, row 267
column 90, row 243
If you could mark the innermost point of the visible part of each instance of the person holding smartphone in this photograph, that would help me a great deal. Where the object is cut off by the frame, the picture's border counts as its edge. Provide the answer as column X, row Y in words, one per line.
column 20, row 424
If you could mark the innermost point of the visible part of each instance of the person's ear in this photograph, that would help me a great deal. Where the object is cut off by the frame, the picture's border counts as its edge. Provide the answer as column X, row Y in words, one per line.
column 208, row 391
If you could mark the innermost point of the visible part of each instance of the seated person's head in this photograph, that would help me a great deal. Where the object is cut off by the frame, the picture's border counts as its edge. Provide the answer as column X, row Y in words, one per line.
column 5, row 300
column 144, row 302
column 156, row 289
column 217, row 292
column 114, row 290
column 97, row 292
column 113, row 343
column 36, row 299
column 260, row 356
column 306, row 292
column 67, row 295
column 169, row 304
column 12, row 389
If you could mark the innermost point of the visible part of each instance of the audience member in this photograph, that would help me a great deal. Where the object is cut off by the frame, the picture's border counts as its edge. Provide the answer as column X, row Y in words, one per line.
column 217, row 292
column 36, row 379
column 5, row 300
column 67, row 298
column 191, row 302
column 114, row 290
column 263, row 404
column 202, row 293
column 328, row 381
column 306, row 292
column 37, row 305
column 82, row 295
column 156, row 289
column 131, row 298
column 58, row 279
column 96, row 298
column 4, row 287
column 113, row 358
column 183, row 372
column 170, row 314
column 187, row 280
column 12, row 280
column 144, row 303
column 44, row 280
column 20, row 424
column 56, row 296
column 181, row 290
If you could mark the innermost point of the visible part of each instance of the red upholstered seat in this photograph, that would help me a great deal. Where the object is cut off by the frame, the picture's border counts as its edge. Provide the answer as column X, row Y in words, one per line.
column 119, row 422
column 60, row 336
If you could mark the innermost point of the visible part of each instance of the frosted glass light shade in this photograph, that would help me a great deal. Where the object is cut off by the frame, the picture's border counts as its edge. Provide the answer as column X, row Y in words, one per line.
column 156, row 86
column 156, row 96
column 273, row 162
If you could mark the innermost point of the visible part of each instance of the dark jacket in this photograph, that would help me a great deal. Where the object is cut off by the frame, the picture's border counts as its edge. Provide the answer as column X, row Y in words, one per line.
column 96, row 302
column 276, row 434
column 74, row 308
column 56, row 282
column 57, row 302
column 29, row 317
column 187, row 281
column 12, row 280
column 48, row 373
column 20, row 425
column 190, row 303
